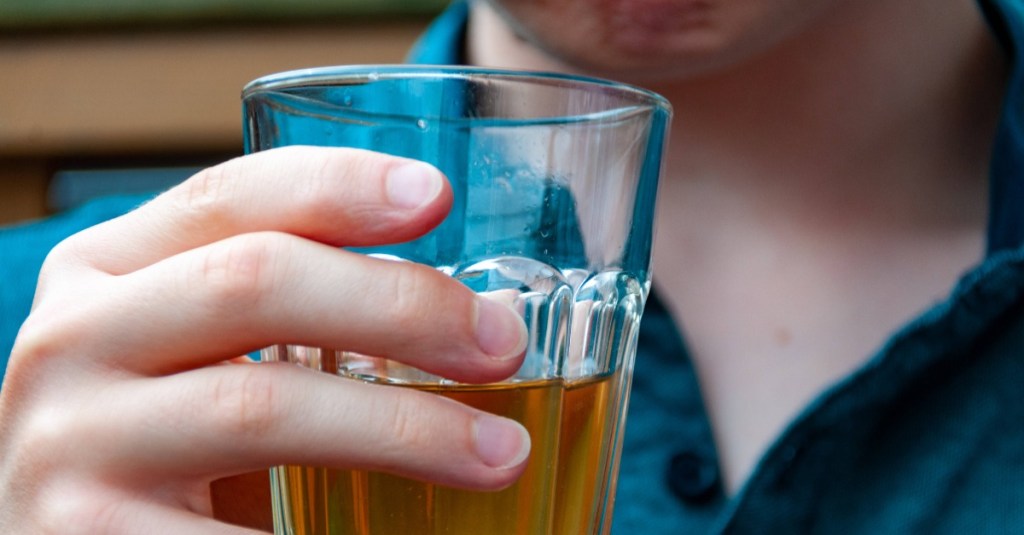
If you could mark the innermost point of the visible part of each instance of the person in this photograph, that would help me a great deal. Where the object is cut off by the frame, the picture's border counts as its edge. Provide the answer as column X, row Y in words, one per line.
column 841, row 237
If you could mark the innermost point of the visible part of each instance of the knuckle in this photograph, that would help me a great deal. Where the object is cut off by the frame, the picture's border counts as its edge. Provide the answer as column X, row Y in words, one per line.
column 36, row 453
column 408, row 297
column 36, row 341
column 243, row 403
column 66, row 250
column 413, row 298
column 72, row 251
column 73, row 508
column 338, row 180
column 238, row 273
column 206, row 192
column 405, row 422
column 41, row 343
column 107, row 516
column 319, row 193
column 352, row 163
column 36, row 464
column 46, row 432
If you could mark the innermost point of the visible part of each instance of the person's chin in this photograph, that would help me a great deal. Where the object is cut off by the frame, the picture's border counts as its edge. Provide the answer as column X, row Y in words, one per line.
column 643, row 59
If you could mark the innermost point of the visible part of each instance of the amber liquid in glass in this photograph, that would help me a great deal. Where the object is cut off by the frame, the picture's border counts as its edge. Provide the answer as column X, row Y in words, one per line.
column 567, row 487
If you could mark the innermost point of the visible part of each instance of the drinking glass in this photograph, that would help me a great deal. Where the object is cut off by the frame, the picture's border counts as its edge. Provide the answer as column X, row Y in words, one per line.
column 554, row 181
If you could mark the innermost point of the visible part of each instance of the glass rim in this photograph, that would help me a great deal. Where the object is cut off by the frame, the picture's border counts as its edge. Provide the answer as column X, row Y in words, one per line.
column 334, row 75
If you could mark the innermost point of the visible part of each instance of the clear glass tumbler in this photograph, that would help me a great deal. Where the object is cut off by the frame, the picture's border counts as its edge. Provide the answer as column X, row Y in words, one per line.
column 554, row 180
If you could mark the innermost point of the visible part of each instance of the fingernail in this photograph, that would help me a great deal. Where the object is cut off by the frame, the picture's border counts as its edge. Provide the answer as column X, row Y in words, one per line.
column 501, row 443
column 500, row 332
column 413, row 184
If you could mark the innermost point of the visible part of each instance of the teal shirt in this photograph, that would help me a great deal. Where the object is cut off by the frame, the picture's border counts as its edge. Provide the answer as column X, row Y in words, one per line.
column 926, row 437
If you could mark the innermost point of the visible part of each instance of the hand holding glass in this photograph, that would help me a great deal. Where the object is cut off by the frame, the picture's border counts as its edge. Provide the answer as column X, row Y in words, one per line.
column 554, row 180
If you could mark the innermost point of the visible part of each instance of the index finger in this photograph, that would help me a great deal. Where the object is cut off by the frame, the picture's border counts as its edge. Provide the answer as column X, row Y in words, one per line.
column 337, row 196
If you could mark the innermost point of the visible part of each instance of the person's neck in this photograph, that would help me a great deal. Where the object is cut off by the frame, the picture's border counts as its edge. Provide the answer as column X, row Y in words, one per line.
column 820, row 195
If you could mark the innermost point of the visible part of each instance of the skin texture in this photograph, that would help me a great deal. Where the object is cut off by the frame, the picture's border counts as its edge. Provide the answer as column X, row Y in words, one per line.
column 140, row 317
column 827, row 178
column 823, row 189
column 654, row 40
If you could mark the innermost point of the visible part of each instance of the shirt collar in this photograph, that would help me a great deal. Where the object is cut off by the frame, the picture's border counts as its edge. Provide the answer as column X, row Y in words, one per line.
column 1006, row 205
column 444, row 41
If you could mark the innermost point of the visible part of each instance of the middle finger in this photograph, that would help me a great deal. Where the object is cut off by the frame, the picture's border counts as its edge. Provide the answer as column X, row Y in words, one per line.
column 260, row 289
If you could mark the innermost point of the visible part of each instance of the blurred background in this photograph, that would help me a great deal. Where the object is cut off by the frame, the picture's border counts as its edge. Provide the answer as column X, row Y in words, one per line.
column 101, row 96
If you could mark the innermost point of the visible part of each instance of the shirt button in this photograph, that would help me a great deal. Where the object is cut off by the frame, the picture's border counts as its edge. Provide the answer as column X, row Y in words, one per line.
column 692, row 477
